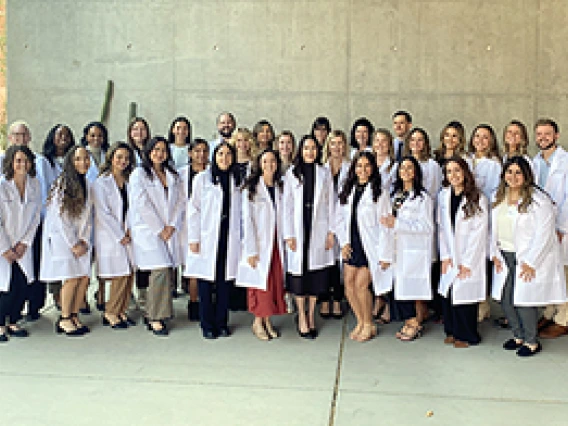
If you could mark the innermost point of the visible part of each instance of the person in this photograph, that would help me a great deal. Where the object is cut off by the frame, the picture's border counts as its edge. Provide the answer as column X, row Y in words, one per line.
column 285, row 145
column 401, row 123
column 20, row 207
column 95, row 139
column 138, row 134
column 263, row 245
column 526, row 253
column 214, row 212
column 309, row 204
column 226, row 125
column 551, row 174
column 179, row 139
column 361, row 132
column 263, row 135
column 336, row 159
column 112, row 232
column 243, row 142
column 366, row 244
column 452, row 143
column 66, row 242
column 463, row 221
column 199, row 158
column 412, row 222
column 157, row 204
column 516, row 141
column 320, row 130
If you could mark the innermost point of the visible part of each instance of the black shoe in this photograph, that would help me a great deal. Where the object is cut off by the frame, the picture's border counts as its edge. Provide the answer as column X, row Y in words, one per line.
column 337, row 316
column 3, row 338
column 100, row 307
column 525, row 351
column 209, row 335
column 313, row 332
column 128, row 321
column 511, row 345
column 224, row 332
column 32, row 316
column 20, row 332
column 175, row 294
column 72, row 333
column 501, row 322
column 86, row 310
column 193, row 311
column 326, row 316
column 81, row 327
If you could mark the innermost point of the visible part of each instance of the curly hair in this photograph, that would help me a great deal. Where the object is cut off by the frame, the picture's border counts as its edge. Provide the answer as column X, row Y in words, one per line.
column 102, row 128
column 351, row 180
column 106, row 167
column 8, row 161
column 49, row 150
column 470, row 190
column 251, row 182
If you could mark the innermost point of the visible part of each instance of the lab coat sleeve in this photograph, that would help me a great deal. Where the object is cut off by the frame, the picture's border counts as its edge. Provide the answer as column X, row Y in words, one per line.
column 562, row 216
column 178, row 212
column 331, row 202
column 250, row 237
column 386, row 235
column 194, row 209
column 544, row 225
column 477, row 237
column 104, row 213
column 29, row 235
column 340, row 224
column 443, row 233
column 86, row 230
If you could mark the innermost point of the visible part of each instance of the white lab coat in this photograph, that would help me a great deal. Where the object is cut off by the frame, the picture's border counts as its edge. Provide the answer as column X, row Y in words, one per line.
column 536, row 245
column 414, row 229
column 388, row 176
column 113, row 259
column 204, row 216
column 48, row 174
column 377, row 240
column 60, row 233
column 343, row 172
column 19, row 220
column 431, row 177
column 465, row 245
column 487, row 173
column 93, row 172
column 557, row 188
column 151, row 210
column 262, row 222
column 323, row 219
column 184, row 177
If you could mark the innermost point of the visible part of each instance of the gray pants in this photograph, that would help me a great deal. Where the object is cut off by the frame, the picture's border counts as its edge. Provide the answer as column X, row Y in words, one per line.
column 159, row 304
column 523, row 320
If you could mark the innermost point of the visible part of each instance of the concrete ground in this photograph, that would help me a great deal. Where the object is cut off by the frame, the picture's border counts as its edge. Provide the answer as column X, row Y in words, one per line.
column 130, row 377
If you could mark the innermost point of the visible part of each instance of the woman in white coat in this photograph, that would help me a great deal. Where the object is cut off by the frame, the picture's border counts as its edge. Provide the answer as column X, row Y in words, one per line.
column 214, row 212
column 463, row 222
column 261, row 267
column 336, row 159
column 66, row 240
column 138, row 135
column 20, row 207
column 309, row 204
column 516, row 141
column 112, row 232
column 526, row 253
column 413, row 225
column 157, row 206
column 366, row 244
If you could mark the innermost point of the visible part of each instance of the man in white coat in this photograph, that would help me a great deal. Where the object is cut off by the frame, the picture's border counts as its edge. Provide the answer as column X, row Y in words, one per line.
column 551, row 174
column 401, row 124
column 226, row 124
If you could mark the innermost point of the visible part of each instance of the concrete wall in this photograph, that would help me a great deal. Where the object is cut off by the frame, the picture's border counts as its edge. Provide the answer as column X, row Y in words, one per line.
column 288, row 61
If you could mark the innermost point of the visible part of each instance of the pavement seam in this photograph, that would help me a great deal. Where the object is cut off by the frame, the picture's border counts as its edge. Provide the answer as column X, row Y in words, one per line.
column 333, row 406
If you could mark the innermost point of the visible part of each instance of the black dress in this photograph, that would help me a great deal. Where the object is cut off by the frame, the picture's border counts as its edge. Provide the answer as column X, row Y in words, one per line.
column 311, row 282
column 358, row 257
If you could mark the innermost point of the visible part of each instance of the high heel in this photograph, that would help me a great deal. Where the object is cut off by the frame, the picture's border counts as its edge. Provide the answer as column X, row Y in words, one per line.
column 71, row 333
column 272, row 332
column 306, row 335
column 81, row 327
column 120, row 325
column 259, row 331
column 161, row 332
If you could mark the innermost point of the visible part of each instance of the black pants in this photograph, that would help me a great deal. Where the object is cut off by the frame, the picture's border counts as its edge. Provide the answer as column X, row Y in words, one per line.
column 142, row 279
column 460, row 321
column 37, row 290
column 12, row 301
column 406, row 309
column 436, row 304
column 335, row 291
column 214, row 304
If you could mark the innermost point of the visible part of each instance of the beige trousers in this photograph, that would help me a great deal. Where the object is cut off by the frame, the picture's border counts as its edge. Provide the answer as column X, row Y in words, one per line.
column 558, row 313
column 120, row 290
column 159, row 305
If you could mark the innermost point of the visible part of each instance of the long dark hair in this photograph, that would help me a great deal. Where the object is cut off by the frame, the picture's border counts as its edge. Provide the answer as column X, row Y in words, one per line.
column 251, row 182
column 470, row 190
column 102, row 128
column 363, row 121
column 147, row 163
column 351, row 181
column 172, row 138
column 49, row 151
column 528, row 188
column 494, row 151
column 299, row 159
column 233, row 168
column 417, row 185
column 106, row 167
column 8, row 161
column 129, row 130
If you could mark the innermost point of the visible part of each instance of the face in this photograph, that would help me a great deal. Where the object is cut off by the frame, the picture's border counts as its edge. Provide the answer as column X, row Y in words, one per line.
column 451, row 139
column 482, row 141
column 285, row 146
column 514, row 177
column 95, row 137
column 224, row 158
column 264, row 136
column 180, row 130
column 362, row 135
column 337, row 147
column 381, row 144
column 545, row 136
column 268, row 164
column 406, row 171
column 81, row 161
column 243, row 143
column 225, row 126
column 363, row 170
column 120, row 160
column 199, row 154
column 21, row 164
column 320, row 132
column 159, row 154
column 139, row 133
column 455, row 175
column 309, row 151
column 514, row 137
column 400, row 126
column 19, row 135
column 62, row 138
column 416, row 143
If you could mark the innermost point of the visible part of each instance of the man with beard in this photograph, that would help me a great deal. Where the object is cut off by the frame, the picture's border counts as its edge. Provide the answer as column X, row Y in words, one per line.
column 226, row 124
column 401, row 123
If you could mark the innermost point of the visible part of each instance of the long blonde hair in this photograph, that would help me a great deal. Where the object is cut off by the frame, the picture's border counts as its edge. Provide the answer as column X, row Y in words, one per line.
column 326, row 154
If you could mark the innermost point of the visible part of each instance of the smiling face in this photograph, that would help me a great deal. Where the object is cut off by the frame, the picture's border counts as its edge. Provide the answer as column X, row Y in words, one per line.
column 19, row 135
column 199, row 155
column 95, row 137
column 120, row 161
column 180, row 131
column 381, row 144
column 546, row 137
column 264, row 136
column 363, row 170
column 482, row 141
column 451, row 139
column 406, row 171
column 309, row 151
column 337, row 147
column 268, row 165
column 62, row 139
column 22, row 164
column 320, row 132
column 285, row 146
column 224, row 158
column 159, row 154
column 401, row 126
column 362, row 136
column 243, row 144
column 416, row 144
column 514, row 138
column 455, row 175
column 139, row 134
column 81, row 161
column 514, row 177
column 225, row 126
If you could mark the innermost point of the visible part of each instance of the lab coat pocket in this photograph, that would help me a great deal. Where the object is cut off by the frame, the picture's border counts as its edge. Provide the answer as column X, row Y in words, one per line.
column 416, row 264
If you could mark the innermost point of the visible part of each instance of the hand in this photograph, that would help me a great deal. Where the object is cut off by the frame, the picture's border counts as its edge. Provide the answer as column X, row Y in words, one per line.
column 527, row 273
column 79, row 249
column 194, row 247
column 463, row 272
column 388, row 221
column 329, row 241
column 167, row 233
column 20, row 249
column 10, row 256
column 498, row 265
column 560, row 236
column 291, row 243
column 253, row 261
column 384, row 265
column 126, row 239
column 446, row 265
column 346, row 252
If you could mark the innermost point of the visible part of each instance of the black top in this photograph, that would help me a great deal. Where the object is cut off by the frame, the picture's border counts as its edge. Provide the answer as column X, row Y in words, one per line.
column 272, row 193
column 336, row 182
column 83, row 183
column 455, row 201
column 243, row 167
column 222, row 243
column 192, row 174
column 398, row 201
column 124, row 196
column 309, row 171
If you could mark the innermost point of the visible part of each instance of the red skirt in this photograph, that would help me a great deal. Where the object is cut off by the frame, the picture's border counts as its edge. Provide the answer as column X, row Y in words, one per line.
column 265, row 303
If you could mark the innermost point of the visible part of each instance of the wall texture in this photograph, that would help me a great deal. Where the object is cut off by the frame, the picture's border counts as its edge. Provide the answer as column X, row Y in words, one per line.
column 288, row 61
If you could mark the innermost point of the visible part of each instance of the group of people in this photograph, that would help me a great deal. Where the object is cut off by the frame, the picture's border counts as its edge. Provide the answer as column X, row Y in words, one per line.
column 252, row 218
